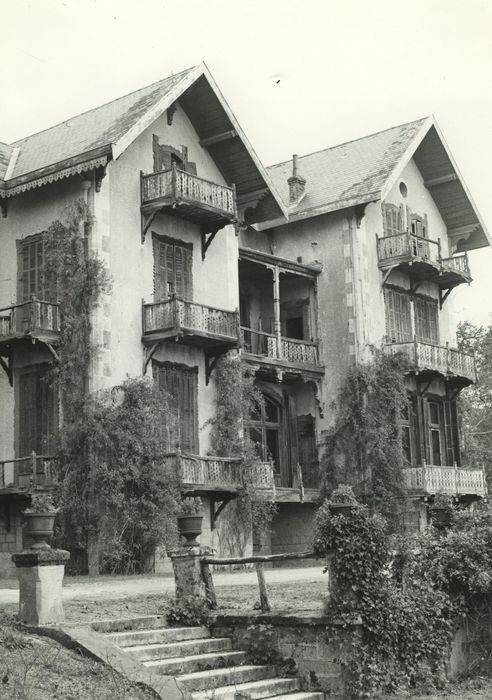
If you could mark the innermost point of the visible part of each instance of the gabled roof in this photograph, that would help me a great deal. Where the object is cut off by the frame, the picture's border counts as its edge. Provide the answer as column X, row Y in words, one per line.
column 364, row 170
column 91, row 139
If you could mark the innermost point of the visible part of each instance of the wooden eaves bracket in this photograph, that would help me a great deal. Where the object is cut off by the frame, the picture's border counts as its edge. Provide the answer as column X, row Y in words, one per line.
column 53, row 351
column 387, row 274
column 7, row 367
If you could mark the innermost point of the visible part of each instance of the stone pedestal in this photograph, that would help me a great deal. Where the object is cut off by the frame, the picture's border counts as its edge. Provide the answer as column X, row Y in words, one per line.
column 40, row 573
column 187, row 573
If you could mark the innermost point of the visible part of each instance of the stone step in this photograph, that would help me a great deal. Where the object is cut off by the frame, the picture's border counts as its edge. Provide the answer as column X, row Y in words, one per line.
column 255, row 690
column 164, row 635
column 191, row 647
column 200, row 662
column 207, row 680
column 129, row 624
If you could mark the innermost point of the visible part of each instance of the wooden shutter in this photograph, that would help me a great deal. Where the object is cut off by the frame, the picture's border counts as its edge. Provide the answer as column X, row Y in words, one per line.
column 181, row 384
column 38, row 412
column 173, row 273
column 392, row 219
column 308, row 457
column 398, row 317
column 448, row 434
column 31, row 278
column 426, row 320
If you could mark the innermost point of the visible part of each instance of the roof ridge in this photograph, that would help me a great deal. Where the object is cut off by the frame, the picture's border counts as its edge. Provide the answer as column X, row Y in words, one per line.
column 345, row 143
column 93, row 109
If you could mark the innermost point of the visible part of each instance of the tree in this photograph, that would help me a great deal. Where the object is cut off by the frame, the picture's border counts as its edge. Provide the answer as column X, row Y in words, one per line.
column 476, row 400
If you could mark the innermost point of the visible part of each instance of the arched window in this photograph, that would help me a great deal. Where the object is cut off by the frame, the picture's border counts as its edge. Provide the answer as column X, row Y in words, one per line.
column 264, row 431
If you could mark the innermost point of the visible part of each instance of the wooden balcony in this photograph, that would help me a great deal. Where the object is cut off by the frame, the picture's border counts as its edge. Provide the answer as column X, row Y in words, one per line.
column 425, row 357
column 25, row 474
column 33, row 319
column 217, row 474
column 421, row 257
column 284, row 354
column 176, row 192
column 190, row 323
column 430, row 480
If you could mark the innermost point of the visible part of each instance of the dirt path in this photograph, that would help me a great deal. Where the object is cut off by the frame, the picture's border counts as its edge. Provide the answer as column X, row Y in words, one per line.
column 111, row 587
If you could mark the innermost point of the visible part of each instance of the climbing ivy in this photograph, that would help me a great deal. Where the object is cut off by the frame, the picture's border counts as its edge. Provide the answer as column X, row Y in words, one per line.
column 237, row 397
column 364, row 448
column 391, row 632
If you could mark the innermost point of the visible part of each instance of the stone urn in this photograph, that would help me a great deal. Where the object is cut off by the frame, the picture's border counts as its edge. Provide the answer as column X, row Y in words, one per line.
column 190, row 527
column 39, row 527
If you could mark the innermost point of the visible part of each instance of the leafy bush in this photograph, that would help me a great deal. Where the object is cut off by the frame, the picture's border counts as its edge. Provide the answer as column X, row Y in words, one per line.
column 403, row 633
column 190, row 506
column 188, row 612
column 41, row 503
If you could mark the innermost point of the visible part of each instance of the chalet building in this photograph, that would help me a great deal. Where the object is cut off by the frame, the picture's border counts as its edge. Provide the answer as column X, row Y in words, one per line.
column 376, row 240
column 300, row 268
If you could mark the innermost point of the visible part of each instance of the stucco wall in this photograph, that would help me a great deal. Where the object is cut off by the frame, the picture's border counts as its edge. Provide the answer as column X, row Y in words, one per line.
column 215, row 281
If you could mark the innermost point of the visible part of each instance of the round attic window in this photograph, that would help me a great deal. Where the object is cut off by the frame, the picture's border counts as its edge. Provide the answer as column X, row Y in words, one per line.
column 403, row 189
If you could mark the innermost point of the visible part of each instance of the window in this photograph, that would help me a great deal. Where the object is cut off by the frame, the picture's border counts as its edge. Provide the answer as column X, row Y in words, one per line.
column 37, row 411
column 426, row 320
column 398, row 317
column 172, row 269
column 436, row 433
column 264, row 431
column 180, row 383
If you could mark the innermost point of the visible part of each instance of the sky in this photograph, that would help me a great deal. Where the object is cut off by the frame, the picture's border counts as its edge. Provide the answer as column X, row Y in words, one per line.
column 299, row 76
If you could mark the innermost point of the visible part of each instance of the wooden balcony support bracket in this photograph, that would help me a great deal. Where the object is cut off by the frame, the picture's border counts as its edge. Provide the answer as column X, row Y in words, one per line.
column 207, row 238
column 148, row 355
column 53, row 351
column 6, row 365
column 146, row 222
column 217, row 505
column 211, row 359
column 386, row 274
column 443, row 297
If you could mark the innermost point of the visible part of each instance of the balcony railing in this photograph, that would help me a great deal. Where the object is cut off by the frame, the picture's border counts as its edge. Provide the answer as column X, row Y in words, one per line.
column 217, row 473
column 26, row 472
column 178, row 186
column 288, row 349
column 29, row 318
column 176, row 316
column 448, row 480
column 409, row 248
column 438, row 358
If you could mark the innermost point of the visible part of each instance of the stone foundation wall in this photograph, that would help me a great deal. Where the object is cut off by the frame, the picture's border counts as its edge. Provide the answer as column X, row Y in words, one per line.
column 301, row 638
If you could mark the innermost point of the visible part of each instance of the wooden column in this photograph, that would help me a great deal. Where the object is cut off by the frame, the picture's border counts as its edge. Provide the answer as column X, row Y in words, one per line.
column 277, row 328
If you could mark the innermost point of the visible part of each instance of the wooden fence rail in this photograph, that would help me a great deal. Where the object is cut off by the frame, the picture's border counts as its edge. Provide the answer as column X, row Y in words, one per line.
column 258, row 560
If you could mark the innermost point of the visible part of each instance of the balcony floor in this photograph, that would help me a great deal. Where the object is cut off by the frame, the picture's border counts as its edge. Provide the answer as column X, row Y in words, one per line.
column 199, row 214
column 425, row 270
column 189, row 336
column 293, row 370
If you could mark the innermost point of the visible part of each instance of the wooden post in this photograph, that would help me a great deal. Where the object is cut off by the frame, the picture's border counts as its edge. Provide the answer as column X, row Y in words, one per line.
column 264, row 603
column 33, row 468
column 209, row 586
column 277, row 328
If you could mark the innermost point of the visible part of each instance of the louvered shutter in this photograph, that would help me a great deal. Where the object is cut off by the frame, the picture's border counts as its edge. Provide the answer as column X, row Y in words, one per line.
column 183, row 258
column 389, row 299
column 392, row 220
column 426, row 321
column 181, row 385
column 38, row 413
column 448, row 433
column 398, row 317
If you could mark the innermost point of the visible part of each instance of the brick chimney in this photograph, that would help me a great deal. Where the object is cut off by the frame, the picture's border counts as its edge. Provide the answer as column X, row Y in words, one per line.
column 297, row 184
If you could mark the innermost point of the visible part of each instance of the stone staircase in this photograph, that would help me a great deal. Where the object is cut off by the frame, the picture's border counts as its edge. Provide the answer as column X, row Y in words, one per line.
column 206, row 667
